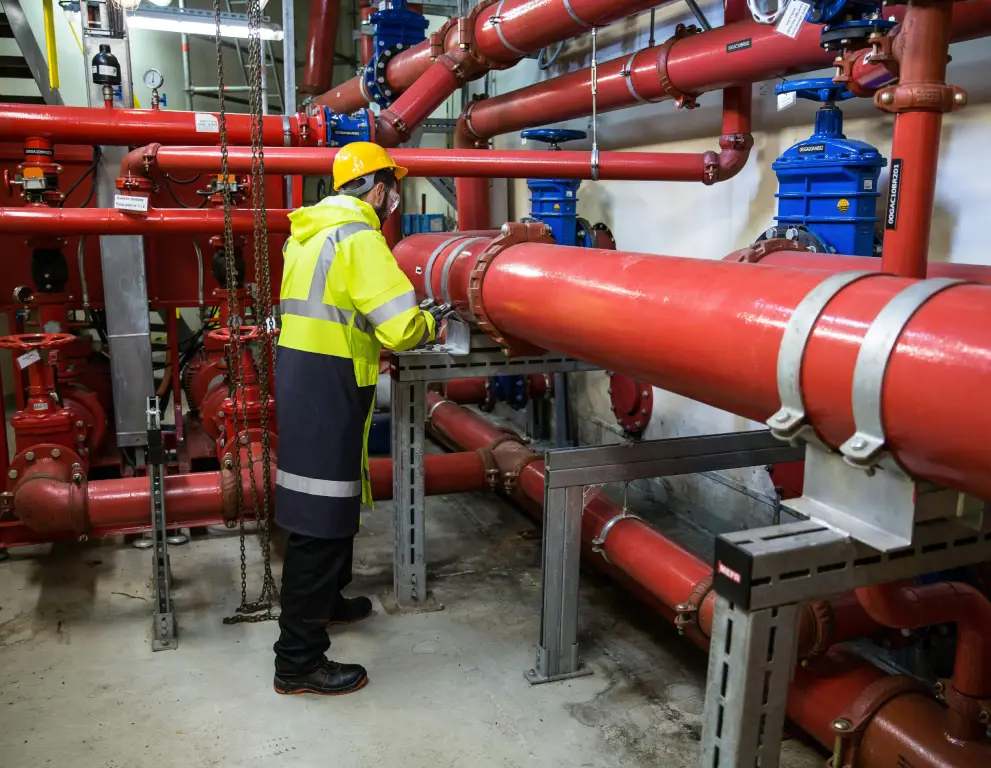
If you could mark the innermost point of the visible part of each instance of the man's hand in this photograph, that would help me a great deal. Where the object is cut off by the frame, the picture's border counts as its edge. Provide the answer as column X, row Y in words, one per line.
column 439, row 311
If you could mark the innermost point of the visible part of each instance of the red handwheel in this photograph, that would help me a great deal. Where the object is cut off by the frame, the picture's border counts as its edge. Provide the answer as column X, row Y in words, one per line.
column 25, row 342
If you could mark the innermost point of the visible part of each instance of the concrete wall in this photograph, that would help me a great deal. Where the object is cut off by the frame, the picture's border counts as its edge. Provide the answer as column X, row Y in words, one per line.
column 709, row 222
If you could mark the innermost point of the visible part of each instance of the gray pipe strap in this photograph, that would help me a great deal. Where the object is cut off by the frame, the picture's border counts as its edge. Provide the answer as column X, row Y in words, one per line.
column 789, row 423
column 865, row 447
column 428, row 270
column 496, row 21
column 446, row 271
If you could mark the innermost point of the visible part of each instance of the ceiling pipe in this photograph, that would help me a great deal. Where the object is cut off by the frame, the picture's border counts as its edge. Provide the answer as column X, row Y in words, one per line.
column 31, row 220
column 130, row 127
column 496, row 34
column 894, row 721
column 711, row 331
column 834, row 262
column 692, row 65
column 321, row 45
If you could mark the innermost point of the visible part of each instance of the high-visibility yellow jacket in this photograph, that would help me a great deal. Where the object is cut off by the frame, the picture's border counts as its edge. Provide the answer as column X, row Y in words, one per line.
column 343, row 298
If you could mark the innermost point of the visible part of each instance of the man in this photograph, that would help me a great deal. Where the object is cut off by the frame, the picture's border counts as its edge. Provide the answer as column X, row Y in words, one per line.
column 343, row 298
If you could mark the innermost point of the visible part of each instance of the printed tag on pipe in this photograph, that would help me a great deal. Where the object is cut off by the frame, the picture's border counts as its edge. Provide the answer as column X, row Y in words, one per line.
column 786, row 100
column 131, row 203
column 29, row 358
column 793, row 18
column 206, row 123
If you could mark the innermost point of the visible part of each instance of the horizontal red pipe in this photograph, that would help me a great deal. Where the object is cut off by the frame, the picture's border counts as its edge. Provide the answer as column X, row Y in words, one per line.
column 711, row 330
column 832, row 262
column 473, row 391
column 92, row 125
column 109, row 221
column 478, row 163
column 911, row 727
column 526, row 25
column 696, row 64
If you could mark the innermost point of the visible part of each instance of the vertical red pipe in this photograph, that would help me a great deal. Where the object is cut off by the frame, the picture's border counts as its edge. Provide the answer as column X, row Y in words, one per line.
column 474, row 204
column 318, row 72
column 915, row 148
column 367, row 41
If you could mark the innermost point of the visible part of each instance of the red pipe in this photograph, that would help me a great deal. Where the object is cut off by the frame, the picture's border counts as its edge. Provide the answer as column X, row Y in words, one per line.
column 908, row 728
column 367, row 41
column 696, row 64
column 831, row 262
column 526, row 26
column 88, row 125
column 321, row 44
column 473, row 391
column 480, row 164
column 910, row 606
column 915, row 147
column 711, row 330
column 109, row 221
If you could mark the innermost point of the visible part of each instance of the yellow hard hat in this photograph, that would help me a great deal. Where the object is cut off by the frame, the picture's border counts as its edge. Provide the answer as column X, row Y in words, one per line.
column 361, row 158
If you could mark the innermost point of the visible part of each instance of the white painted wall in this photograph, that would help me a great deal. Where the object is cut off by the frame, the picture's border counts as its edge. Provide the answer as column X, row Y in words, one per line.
column 710, row 222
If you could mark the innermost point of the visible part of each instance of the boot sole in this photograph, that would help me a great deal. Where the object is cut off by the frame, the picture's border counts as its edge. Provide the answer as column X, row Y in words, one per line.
column 351, row 621
column 361, row 684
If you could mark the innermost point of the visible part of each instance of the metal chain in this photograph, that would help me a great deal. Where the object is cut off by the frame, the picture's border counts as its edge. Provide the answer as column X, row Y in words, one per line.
column 261, row 609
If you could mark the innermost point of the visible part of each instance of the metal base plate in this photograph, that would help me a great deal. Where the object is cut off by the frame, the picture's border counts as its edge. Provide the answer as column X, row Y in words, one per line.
column 535, row 678
column 163, row 634
column 393, row 607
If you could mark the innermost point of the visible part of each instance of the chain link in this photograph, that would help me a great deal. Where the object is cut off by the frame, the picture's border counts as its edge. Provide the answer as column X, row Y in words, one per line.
column 260, row 609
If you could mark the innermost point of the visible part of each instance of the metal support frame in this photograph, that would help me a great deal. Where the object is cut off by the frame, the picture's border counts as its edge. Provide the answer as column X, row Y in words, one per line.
column 761, row 578
column 163, row 628
column 30, row 50
column 568, row 472
column 410, row 373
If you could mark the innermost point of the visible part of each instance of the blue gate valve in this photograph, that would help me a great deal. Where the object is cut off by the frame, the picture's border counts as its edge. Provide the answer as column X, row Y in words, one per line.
column 827, row 184
column 396, row 29
column 555, row 201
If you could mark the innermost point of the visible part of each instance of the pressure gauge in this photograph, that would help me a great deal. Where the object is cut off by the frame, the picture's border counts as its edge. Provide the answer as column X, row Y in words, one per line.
column 153, row 79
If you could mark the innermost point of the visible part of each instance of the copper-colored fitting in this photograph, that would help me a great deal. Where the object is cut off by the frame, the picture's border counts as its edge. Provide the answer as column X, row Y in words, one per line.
column 757, row 251
column 687, row 613
column 681, row 99
column 920, row 97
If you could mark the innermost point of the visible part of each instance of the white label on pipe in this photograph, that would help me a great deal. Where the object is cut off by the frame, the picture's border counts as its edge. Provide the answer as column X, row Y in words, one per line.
column 29, row 358
column 206, row 123
column 136, row 203
column 786, row 100
column 793, row 18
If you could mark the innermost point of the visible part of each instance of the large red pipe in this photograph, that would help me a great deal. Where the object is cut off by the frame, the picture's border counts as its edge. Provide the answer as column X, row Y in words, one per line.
column 31, row 220
column 696, row 64
column 911, row 726
column 321, row 44
column 122, row 127
column 502, row 33
column 711, row 331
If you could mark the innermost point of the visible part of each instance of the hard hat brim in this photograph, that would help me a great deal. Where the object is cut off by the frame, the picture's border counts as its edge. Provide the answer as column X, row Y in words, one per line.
column 399, row 171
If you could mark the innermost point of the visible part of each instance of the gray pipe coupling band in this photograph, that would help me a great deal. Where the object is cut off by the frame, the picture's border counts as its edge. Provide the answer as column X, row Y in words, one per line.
column 789, row 423
column 446, row 271
column 496, row 21
column 865, row 446
column 428, row 270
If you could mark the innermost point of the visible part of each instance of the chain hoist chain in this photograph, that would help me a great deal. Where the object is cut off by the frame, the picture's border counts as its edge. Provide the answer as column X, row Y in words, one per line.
column 261, row 609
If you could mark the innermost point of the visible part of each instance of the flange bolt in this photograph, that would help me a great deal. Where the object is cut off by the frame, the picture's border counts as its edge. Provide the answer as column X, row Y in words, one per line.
column 960, row 98
column 887, row 97
column 29, row 455
column 842, row 725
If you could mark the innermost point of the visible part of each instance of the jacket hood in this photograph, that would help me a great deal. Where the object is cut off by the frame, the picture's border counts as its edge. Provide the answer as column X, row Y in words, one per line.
column 330, row 212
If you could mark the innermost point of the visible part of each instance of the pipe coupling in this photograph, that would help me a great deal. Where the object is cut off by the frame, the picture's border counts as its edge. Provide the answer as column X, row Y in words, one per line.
column 687, row 613
column 920, row 97
column 849, row 727
column 822, row 631
column 969, row 714
column 512, row 233
column 753, row 253
column 681, row 99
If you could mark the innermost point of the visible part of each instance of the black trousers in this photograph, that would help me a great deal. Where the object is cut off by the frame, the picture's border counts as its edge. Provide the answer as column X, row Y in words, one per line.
column 313, row 575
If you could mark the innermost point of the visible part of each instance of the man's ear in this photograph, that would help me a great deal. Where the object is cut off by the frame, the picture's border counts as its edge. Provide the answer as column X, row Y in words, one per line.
column 376, row 196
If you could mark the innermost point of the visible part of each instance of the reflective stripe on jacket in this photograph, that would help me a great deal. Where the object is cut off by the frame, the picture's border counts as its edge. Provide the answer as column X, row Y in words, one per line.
column 343, row 297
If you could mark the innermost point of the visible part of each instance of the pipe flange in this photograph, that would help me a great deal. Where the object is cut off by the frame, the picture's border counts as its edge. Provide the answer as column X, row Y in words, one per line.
column 681, row 99
column 632, row 403
column 850, row 726
column 375, row 79
column 687, row 613
column 757, row 251
column 512, row 234
column 599, row 542
column 438, row 38
column 465, row 129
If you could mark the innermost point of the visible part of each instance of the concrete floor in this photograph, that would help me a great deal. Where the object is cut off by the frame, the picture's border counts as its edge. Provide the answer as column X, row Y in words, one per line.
column 80, row 686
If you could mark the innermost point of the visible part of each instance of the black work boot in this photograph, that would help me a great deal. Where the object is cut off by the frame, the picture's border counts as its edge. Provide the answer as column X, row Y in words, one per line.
column 352, row 610
column 328, row 678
